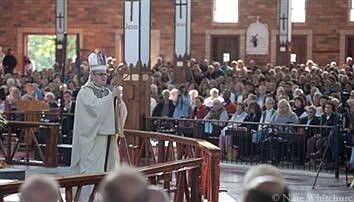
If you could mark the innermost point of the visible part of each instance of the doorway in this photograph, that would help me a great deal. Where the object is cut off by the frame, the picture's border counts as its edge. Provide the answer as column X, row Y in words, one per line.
column 225, row 48
column 349, row 46
column 40, row 49
column 298, row 52
column 299, row 48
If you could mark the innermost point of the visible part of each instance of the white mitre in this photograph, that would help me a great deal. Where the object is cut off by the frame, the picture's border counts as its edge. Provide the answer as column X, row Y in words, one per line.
column 97, row 61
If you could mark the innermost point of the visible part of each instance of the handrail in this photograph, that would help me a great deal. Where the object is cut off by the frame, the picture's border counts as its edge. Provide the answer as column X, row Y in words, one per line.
column 195, row 148
column 39, row 113
column 185, row 148
column 94, row 179
column 29, row 124
column 236, row 122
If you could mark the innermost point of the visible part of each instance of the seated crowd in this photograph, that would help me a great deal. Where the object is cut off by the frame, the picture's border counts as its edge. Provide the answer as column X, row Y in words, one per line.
column 238, row 94
column 306, row 94
column 299, row 94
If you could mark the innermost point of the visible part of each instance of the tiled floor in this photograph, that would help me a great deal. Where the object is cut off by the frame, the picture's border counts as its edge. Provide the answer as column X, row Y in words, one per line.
column 300, row 182
column 327, row 188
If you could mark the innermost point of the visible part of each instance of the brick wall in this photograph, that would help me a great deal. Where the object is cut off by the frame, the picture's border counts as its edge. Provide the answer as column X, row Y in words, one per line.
column 101, row 20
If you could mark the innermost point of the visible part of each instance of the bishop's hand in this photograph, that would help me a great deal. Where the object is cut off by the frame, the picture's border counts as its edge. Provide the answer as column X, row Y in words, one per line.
column 117, row 92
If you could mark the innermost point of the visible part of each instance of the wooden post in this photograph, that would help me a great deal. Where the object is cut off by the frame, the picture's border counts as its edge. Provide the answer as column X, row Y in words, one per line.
column 136, row 95
column 51, row 149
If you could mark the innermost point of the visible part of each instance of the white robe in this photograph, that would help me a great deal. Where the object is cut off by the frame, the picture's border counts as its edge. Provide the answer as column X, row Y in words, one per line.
column 93, row 123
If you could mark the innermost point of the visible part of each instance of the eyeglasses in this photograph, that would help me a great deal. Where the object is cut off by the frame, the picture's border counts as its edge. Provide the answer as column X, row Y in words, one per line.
column 101, row 74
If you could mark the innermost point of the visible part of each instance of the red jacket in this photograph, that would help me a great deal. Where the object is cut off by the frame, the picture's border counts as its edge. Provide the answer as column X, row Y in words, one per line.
column 200, row 112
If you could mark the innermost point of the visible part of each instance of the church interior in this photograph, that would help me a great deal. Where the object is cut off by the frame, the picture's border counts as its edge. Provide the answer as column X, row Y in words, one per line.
column 177, row 100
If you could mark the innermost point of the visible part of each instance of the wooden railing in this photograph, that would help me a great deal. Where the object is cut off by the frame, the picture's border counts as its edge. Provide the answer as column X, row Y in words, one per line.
column 149, row 148
column 185, row 189
column 48, row 157
column 189, row 168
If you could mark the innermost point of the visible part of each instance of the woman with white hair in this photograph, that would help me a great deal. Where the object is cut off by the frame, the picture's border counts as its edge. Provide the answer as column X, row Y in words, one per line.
column 193, row 94
column 239, row 116
column 284, row 114
column 213, row 94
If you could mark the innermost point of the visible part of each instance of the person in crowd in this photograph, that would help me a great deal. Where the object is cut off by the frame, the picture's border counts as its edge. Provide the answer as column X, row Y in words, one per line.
column 349, row 62
column 213, row 94
column 259, row 135
column 13, row 97
column 217, row 113
column 174, row 95
column 239, row 116
column 68, row 121
column 165, row 107
column 9, row 62
column 344, row 132
column 200, row 110
column 182, row 103
column 241, row 68
column 4, row 105
column 300, row 106
column 67, row 101
column 309, row 120
column 262, row 94
column 39, row 188
column 193, row 94
column 29, row 91
column 126, row 184
column 98, row 119
column 228, row 104
column 284, row 114
column 204, row 65
column 154, row 92
column 196, row 75
column 349, row 132
column 310, row 97
column 217, row 71
column 238, row 91
column 49, row 98
column 329, row 118
column 253, row 115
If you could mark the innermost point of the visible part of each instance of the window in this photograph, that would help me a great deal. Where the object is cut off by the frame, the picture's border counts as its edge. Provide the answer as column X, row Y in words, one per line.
column 226, row 11
column 352, row 11
column 298, row 11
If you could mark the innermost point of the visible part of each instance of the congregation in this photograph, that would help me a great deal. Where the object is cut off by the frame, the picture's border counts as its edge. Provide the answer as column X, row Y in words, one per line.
column 235, row 91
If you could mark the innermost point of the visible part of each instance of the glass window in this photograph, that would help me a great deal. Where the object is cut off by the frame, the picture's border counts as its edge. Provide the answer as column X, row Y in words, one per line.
column 352, row 11
column 298, row 11
column 226, row 11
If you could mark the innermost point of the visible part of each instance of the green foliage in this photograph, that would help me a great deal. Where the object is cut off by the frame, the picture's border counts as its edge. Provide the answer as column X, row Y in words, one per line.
column 41, row 50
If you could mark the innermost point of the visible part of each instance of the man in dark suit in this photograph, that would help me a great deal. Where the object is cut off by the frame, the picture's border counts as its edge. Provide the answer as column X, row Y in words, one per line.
column 165, row 108
column 9, row 62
